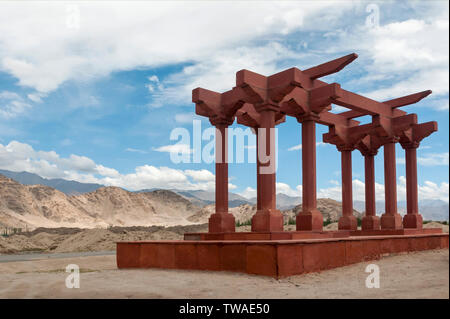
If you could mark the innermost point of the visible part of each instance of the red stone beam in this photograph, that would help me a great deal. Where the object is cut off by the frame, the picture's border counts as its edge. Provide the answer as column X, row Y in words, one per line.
column 398, row 102
column 408, row 99
column 330, row 67
column 365, row 105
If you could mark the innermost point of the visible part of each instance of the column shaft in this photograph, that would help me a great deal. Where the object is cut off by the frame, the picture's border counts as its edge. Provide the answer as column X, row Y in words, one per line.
column 267, row 166
column 369, row 176
column 347, row 195
column 390, row 179
column 267, row 217
column 412, row 219
column 412, row 204
column 390, row 219
column 221, row 170
column 309, row 200
column 309, row 218
column 258, row 182
column 221, row 221
column 370, row 221
column 347, row 221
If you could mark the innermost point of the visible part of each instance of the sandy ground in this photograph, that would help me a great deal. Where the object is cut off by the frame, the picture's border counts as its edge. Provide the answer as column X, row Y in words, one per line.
column 416, row 275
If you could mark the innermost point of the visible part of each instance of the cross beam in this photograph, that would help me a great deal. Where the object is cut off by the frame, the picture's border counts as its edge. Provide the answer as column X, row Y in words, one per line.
column 398, row 102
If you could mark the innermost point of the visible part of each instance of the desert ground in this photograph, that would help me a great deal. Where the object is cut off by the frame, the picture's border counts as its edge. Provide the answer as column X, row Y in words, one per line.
column 32, row 265
column 415, row 275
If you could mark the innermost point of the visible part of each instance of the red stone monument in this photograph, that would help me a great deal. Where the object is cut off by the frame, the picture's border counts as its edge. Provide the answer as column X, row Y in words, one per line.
column 262, row 102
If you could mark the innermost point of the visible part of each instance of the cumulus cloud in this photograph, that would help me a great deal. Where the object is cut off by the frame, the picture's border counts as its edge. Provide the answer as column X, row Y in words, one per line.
column 249, row 192
column 404, row 56
column 283, row 188
column 200, row 175
column 18, row 157
column 119, row 36
column 412, row 51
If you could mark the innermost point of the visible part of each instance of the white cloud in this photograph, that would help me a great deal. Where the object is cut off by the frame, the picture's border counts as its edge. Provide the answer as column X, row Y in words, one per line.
column 401, row 57
column 287, row 190
column 175, row 148
column 218, row 72
column 249, row 192
column 200, row 175
column 18, row 157
column 12, row 104
column 430, row 159
column 36, row 97
column 413, row 53
column 46, row 51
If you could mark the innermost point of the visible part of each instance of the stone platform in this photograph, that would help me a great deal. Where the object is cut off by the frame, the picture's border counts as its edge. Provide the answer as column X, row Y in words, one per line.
column 277, row 254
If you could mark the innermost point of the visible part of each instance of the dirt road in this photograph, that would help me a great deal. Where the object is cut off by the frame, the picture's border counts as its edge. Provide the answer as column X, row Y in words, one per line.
column 417, row 275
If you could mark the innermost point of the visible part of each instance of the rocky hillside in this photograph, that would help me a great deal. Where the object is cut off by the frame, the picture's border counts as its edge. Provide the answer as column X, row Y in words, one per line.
column 330, row 209
column 42, row 206
column 31, row 206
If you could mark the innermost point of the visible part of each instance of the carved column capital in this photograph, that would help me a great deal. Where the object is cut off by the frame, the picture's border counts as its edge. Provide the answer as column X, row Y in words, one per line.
column 393, row 139
column 345, row 147
column 310, row 116
column 266, row 107
column 410, row 145
column 370, row 152
column 219, row 121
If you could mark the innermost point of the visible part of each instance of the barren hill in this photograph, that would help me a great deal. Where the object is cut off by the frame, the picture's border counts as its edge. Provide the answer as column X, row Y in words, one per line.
column 42, row 206
column 31, row 206
column 330, row 209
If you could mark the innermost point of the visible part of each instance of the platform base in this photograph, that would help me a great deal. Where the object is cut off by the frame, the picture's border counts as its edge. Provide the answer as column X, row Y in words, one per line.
column 274, row 258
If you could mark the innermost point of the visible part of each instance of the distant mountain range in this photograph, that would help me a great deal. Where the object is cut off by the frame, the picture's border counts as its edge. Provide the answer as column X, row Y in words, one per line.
column 430, row 209
column 65, row 186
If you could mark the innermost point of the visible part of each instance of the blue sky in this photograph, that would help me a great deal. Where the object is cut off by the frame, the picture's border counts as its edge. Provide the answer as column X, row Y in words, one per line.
column 92, row 91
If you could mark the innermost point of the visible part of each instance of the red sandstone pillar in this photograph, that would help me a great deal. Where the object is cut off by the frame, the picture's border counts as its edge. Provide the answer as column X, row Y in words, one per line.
column 347, row 220
column 391, row 219
column 258, row 182
column 221, row 221
column 309, row 218
column 370, row 220
column 267, row 217
column 412, row 219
